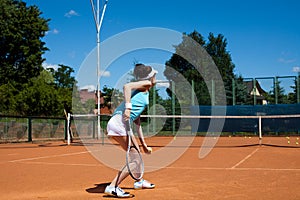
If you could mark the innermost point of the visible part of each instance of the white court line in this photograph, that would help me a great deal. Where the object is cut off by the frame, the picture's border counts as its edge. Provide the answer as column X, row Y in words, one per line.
column 263, row 169
column 64, row 164
column 234, row 169
column 43, row 157
column 170, row 167
column 247, row 157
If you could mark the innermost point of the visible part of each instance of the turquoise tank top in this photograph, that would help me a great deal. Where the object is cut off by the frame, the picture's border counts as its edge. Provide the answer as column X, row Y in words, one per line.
column 139, row 101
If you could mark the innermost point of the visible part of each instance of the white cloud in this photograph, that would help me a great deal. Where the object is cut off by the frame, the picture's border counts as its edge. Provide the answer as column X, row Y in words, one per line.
column 105, row 73
column 286, row 61
column 71, row 13
column 286, row 57
column 46, row 66
column 90, row 88
column 296, row 69
column 55, row 31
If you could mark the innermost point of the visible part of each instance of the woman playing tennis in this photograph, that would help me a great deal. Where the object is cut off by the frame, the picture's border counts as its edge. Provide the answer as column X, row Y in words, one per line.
column 136, row 98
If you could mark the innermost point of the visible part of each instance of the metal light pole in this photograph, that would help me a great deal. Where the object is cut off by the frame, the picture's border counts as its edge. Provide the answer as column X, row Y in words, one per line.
column 98, row 22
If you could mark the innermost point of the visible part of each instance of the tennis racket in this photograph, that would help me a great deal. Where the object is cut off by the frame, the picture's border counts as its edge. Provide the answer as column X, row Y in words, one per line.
column 134, row 161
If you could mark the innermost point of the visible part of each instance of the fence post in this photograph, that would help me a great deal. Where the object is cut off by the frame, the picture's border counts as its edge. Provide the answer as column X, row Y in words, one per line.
column 153, row 108
column 275, row 89
column 193, row 93
column 213, row 93
column 297, row 90
column 173, row 106
column 233, row 92
column 66, row 129
column 94, row 129
column 29, row 129
column 254, row 91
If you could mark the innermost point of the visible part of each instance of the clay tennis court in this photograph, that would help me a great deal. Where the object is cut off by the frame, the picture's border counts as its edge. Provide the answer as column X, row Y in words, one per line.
column 236, row 168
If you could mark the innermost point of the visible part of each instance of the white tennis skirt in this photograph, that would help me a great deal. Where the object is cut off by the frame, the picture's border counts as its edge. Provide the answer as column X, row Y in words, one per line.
column 116, row 126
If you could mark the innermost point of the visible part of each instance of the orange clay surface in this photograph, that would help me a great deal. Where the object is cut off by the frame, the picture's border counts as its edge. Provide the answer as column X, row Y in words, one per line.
column 236, row 168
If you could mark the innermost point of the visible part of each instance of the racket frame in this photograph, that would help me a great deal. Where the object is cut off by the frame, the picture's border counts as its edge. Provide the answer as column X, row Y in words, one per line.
column 132, row 143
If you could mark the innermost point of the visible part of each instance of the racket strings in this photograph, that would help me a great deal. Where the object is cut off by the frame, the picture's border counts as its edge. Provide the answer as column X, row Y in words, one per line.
column 135, row 163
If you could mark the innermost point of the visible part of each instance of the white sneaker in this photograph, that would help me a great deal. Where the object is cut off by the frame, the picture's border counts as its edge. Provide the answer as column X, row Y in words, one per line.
column 143, row 184
column 116, row 192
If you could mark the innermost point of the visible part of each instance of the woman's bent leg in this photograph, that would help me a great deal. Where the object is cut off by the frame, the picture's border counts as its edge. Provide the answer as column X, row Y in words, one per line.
column 123, row 173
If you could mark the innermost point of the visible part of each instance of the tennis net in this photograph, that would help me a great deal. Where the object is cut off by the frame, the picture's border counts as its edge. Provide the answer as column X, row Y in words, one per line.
column 285, row 127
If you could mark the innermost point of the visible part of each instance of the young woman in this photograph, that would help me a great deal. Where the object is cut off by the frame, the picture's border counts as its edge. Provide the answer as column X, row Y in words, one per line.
column 136, row 98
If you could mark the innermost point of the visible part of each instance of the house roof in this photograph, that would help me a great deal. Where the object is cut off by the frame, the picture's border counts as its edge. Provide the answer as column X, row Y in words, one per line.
column 249, row 85
column 85, row 95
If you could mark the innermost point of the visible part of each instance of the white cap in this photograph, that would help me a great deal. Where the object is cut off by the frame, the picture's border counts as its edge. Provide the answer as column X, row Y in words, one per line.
column 150, row 75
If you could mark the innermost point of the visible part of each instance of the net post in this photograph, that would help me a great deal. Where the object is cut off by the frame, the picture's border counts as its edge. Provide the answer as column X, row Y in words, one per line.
column 259, row 131
column 68, row 129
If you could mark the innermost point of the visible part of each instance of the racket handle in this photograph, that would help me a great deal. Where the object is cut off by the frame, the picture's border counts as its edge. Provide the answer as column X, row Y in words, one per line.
column 127, row 125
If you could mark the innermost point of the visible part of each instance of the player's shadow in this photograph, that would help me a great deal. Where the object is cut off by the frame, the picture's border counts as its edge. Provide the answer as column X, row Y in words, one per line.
column 99, row 188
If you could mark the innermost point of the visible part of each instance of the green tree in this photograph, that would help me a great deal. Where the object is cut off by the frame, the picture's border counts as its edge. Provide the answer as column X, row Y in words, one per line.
column 293, row 95
column 241, row 96
column 111, row 96
column 277, row 95
column 216, row 48
column 63, row 76
column 21, row 30
column 65, row 84
column 8, row 101
column 39, row 98
column 178, row 67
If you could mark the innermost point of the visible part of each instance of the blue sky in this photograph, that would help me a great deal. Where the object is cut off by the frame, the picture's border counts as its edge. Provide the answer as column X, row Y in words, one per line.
column 263, row 36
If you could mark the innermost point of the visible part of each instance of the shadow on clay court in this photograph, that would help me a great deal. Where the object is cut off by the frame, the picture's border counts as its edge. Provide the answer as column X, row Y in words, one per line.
column 99, row 188
column 229, row 146
column 280, row 146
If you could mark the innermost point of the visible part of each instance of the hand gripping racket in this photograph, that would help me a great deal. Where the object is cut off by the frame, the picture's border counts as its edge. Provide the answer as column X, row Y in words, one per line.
column 134, row 159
